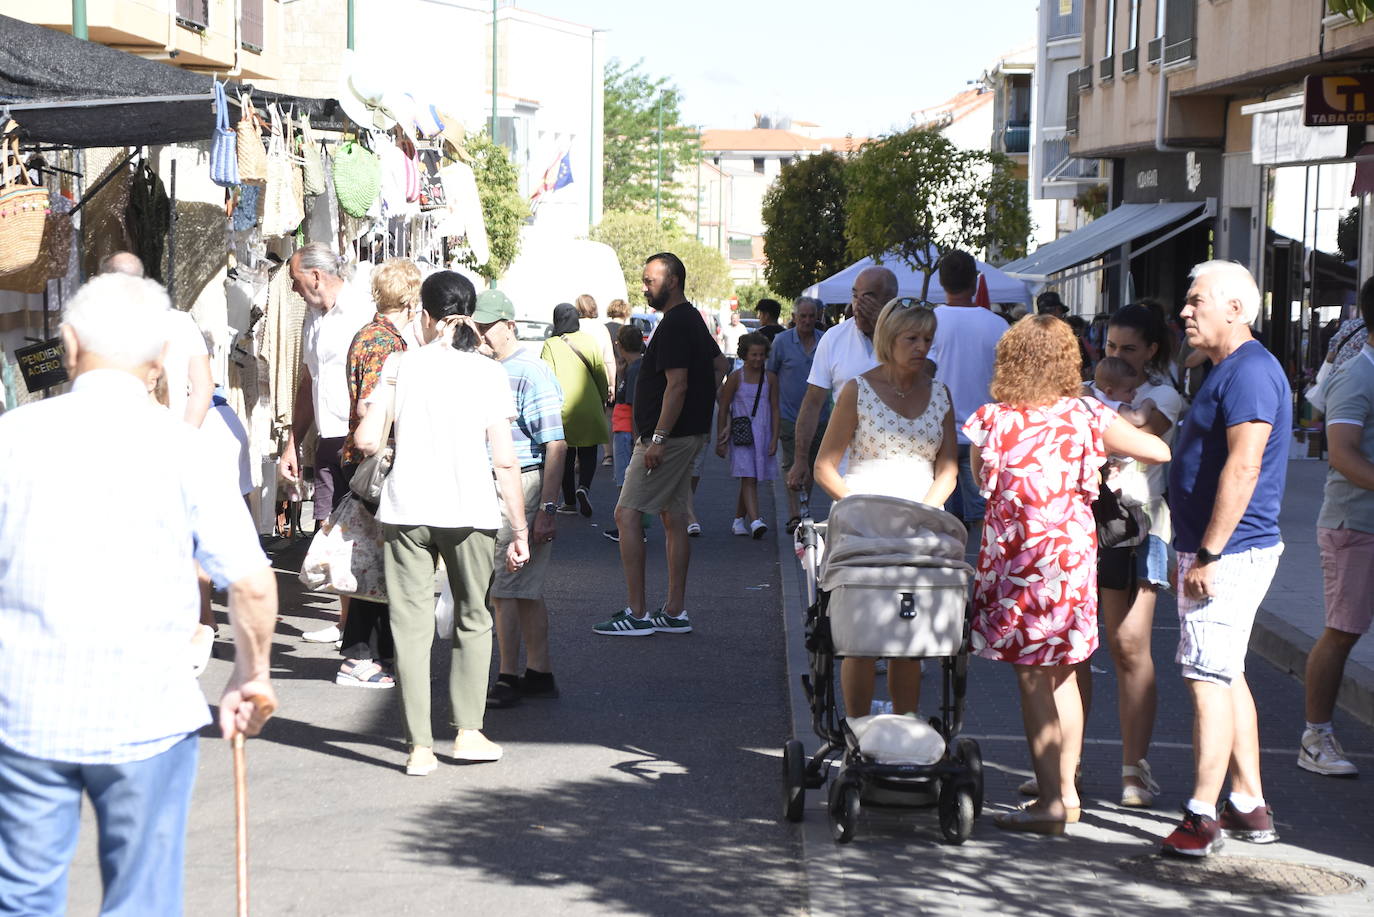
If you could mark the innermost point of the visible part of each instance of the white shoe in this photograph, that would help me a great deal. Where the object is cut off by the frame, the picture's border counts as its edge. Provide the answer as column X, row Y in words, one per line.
column 1139, row 797
column 738, row 527
column 473, row 747
column 1320, row 753
column 328, row 634
column 421, row 762
column 694, row 529
column 758, row 528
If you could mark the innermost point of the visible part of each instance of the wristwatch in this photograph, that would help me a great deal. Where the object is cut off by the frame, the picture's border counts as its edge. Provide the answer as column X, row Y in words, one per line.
column 1205, row 557
column 658, row 438
column 551, row 508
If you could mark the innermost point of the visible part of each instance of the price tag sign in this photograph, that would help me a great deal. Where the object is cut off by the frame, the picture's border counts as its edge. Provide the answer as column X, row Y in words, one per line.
column 41, row 364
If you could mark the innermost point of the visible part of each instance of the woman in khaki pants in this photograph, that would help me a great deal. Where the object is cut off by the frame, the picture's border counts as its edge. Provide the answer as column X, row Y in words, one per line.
column 450, row 405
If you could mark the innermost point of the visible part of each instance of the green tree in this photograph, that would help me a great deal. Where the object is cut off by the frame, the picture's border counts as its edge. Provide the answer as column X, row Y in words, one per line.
column 636, row 236
column 749, row 295
column 804, row 223
column 631, row 160
column 505, row 208
column 917, row 195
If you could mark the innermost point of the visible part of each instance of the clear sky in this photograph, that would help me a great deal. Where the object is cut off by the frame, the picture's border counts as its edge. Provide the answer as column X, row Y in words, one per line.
column 852, row 66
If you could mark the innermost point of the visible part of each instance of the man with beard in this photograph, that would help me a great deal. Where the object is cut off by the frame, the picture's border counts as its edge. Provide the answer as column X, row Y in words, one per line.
column 673, row 405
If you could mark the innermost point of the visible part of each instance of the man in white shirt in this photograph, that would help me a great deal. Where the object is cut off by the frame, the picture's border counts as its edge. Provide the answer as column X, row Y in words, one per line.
column 95, row 696
column 730, row 335
column 964, row 351
column 843, row 353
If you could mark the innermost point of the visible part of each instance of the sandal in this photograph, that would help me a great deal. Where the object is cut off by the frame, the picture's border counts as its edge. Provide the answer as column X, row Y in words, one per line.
column 1032, row 788
column 1139, row 797
column 1072, row 814
column 363, row 673
column 1033, row 822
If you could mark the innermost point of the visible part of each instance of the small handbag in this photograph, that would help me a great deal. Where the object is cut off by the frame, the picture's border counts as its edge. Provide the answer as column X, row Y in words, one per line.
column 357, row 178
column 252, row 155
column 224, row 157
column 741, row 427
column 1116, row 520
column 367, row 482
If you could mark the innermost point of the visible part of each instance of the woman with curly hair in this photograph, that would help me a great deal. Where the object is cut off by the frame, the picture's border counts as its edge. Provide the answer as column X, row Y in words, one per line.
column 1036, row 455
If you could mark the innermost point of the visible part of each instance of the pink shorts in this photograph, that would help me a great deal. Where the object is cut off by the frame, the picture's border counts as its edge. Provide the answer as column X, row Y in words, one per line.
column 1348, row 578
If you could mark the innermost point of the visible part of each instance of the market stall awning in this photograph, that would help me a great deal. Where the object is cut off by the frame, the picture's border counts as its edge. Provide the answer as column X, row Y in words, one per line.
column 63, row 90
column 1112, row 230
column 910, row 282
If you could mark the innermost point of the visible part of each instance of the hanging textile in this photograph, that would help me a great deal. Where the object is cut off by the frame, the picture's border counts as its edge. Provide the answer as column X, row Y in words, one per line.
column 281, row 346
column 150, row 219
column 464, row 217
column 104, row 218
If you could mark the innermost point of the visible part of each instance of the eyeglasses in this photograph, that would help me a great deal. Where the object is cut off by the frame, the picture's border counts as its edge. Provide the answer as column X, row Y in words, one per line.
column 909, row 302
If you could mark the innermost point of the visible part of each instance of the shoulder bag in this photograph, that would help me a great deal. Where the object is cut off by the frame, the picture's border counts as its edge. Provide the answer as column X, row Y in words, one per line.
column 741, row 427
column 1117, row 522
column 224, row 157
column 367, row 482
column 252, row 155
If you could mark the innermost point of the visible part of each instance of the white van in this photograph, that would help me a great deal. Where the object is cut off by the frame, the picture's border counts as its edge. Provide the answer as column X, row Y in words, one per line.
column 552, row 270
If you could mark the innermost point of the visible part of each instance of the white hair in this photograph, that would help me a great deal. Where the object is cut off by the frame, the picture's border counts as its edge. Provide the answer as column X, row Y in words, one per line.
column 120, row 317
column 1233, row 281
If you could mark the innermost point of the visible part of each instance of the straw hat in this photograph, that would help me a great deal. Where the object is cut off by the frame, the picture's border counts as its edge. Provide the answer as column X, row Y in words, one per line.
column 363, row 94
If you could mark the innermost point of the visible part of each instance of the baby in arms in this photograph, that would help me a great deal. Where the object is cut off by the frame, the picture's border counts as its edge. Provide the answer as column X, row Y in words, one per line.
column 1115, row 383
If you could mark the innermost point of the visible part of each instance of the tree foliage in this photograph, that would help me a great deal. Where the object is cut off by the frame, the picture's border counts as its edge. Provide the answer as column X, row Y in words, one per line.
column 804, row 223
column 636, row 236
column 505, row 208
column 749, row 295
column 917, row 195
column 631, row 109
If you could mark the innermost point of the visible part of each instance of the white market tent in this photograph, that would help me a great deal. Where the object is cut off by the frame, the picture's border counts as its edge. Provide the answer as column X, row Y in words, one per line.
column 836, row 288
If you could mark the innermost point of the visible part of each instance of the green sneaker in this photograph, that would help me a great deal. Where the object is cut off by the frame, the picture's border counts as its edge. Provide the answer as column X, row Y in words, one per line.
column 667, row 624
column 624, row 624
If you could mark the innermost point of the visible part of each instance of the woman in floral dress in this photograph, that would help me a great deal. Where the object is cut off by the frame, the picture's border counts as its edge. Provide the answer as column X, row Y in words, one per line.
column 1038, row 451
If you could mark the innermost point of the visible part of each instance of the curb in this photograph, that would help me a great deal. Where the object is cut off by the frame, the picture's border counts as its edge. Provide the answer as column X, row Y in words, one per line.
column 1286, row 647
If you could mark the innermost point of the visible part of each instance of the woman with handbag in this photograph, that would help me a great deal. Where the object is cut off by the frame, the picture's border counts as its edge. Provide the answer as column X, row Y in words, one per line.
column 1036, row 454
column 581, row 371
column 367, row 645
column 897, row 425
column 748, row 434
column 452, row 409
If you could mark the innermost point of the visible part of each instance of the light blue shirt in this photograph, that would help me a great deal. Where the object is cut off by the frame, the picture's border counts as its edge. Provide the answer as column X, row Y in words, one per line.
column 106, row 500
column 792, row 364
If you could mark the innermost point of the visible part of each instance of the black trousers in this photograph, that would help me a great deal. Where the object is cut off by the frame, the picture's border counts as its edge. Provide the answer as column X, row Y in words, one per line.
column 584, row 458
column 367, row 632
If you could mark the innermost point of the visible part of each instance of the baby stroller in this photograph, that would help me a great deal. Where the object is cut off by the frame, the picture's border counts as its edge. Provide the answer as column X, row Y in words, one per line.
column 886, row 577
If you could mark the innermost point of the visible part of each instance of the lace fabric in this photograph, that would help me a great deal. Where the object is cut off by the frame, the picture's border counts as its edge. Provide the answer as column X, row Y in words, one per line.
column 891, row 454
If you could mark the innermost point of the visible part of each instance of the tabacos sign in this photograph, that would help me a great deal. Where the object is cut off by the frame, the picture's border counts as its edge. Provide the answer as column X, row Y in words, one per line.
column 1338, row 98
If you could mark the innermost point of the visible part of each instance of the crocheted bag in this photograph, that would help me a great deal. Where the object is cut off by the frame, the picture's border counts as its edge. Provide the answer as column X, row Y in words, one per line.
column 357, row 178
column 312, row 166
column 282, row 211
column 224, row 158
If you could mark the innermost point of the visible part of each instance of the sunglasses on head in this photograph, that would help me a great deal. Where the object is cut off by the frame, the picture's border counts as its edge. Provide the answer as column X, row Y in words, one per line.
column 908, row 302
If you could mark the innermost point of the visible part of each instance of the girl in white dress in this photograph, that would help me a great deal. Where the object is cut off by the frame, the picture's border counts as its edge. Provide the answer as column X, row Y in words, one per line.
column 897, row 425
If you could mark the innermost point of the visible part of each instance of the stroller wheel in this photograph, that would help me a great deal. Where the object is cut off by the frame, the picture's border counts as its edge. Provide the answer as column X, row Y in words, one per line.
column 956, row 812
column 967, row 753
column 844, row 811
column 793, row 781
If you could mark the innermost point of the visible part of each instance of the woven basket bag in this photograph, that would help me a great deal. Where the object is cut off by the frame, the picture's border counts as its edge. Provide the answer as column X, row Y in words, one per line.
column 357, row 178
column 23, row 213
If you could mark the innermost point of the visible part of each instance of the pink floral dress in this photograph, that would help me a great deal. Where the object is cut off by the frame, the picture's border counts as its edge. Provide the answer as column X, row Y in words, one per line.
column 1035, row 597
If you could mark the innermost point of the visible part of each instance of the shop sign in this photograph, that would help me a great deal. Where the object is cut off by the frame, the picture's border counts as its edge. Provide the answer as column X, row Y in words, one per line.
column 1190, row 176
column 1338, row 98
column 1280, row 138
column 41, row 364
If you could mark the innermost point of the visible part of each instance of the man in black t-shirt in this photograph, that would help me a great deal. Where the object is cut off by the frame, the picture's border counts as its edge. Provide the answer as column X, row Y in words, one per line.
column 768, row 312
column 674, row 401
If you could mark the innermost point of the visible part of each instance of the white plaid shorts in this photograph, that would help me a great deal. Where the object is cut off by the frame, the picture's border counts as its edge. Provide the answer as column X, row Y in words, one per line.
column 1214, row 633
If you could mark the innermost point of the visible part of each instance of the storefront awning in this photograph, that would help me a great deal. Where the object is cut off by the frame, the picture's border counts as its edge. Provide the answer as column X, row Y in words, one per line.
column 1114, row 229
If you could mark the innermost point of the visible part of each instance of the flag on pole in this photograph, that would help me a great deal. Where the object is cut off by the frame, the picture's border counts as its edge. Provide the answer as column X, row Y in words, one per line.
column 558, row 174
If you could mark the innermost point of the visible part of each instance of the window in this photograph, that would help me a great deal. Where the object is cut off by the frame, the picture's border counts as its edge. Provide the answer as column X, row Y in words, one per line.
column 758, row 165
column 251, row 25
column 1130, row 58
column 1107, row 66
column 194, row 14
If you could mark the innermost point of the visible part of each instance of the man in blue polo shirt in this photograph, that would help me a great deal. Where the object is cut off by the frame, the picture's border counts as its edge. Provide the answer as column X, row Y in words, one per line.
column 1225, row 489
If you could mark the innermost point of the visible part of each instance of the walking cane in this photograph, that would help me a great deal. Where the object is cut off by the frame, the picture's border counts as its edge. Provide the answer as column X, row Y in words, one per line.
column 241, row 824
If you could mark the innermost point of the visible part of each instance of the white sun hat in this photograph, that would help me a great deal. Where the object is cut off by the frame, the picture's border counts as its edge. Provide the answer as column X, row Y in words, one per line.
column 363, row 93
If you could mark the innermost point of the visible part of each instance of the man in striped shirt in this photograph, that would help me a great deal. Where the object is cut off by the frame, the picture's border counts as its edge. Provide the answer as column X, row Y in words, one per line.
column 106, row 501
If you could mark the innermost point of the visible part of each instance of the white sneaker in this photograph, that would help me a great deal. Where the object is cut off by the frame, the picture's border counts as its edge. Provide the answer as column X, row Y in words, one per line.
column 1320, row 753
column 738, row 527
column 758, row 528
column 328, row 634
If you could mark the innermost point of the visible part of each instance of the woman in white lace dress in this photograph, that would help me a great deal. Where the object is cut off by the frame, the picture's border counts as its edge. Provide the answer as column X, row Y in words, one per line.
column 897, row 426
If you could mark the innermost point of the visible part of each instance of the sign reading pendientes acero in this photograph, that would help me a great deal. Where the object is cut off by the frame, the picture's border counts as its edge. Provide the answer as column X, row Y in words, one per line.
column 41, row 364
column 1338, row 98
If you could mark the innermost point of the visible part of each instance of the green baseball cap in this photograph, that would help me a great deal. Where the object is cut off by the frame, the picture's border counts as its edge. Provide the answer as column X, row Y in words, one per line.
column 493, row 306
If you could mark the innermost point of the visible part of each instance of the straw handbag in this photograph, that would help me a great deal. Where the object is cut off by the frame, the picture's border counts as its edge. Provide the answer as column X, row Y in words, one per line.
column 282, row 210
column 52, row 259
column 23, row 212
column 252, row 155
column 312, row 165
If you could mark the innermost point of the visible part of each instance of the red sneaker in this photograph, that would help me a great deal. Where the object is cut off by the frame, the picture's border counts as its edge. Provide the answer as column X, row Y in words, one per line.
column 1196, row 836
column 1256, row 827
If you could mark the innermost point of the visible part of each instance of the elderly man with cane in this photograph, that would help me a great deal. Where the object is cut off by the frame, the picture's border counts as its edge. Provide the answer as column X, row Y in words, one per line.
column 95, row 697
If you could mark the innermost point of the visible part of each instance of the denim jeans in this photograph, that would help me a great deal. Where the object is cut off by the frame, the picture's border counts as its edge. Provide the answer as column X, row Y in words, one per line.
column 966, row 502
column 140, row 810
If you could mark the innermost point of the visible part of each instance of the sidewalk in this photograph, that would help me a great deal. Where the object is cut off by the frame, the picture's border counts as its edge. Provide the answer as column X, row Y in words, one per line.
column 1293, row 614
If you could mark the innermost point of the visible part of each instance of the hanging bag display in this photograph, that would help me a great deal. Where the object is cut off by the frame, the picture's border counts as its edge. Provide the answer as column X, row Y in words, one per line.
column 741, row 427
column 281, row 211
column 23, row 211
column 312, row 166
column 251, row 154
column 357, row 178
column 224, row 157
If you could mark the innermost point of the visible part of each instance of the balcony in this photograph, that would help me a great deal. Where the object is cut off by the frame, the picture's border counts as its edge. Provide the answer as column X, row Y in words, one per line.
column 1085, row 79
column 1106, row 68
column 1180, row 26
column 1016, row 137
column 1130, row 60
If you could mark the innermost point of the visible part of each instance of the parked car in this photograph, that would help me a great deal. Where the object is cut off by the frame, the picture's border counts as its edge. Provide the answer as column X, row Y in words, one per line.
column 646, row 322
column 532, row 334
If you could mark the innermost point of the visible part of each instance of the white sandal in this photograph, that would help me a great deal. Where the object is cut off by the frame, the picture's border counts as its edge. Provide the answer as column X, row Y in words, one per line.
column 1139, row 797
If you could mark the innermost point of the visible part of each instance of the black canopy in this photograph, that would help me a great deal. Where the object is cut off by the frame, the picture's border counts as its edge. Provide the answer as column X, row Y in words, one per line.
column 63, row 90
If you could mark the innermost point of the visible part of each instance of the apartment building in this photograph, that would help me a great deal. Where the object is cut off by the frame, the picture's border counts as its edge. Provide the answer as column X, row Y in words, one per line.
column 1197, row 109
